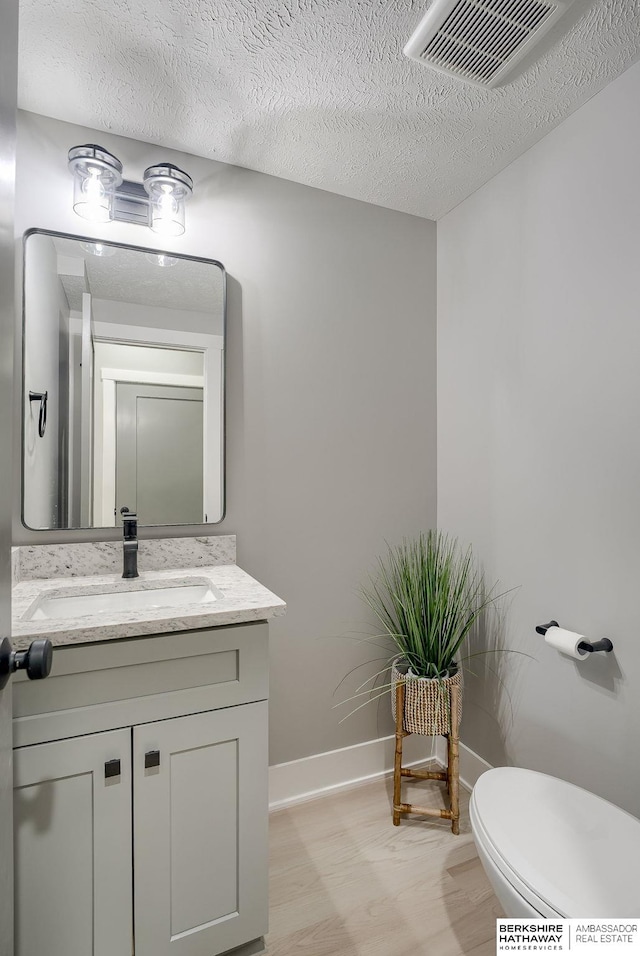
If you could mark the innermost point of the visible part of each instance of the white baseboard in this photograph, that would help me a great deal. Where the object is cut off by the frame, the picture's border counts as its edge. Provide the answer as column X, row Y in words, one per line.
column 471, row 764
column 324, row 773
column 321, row 774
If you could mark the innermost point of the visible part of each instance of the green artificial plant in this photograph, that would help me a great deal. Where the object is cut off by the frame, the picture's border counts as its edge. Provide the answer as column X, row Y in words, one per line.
column 427, row 596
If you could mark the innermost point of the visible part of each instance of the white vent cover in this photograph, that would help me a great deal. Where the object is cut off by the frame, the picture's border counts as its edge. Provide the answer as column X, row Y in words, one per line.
column 481, row 40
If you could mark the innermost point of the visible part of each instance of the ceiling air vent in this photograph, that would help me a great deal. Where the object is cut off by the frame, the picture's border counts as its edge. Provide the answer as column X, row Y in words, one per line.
column 481, row 40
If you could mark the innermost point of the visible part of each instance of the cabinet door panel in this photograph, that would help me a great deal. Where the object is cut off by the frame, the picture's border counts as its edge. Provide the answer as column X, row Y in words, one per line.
column 201, row 889
column 73, row 847
column 200, row 832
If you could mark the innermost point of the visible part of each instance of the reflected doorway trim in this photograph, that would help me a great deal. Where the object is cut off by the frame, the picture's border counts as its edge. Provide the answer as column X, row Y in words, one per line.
column 111, row 377
column 212, row 347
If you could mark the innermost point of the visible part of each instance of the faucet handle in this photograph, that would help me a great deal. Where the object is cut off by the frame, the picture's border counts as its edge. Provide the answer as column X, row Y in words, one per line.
column 129, row 524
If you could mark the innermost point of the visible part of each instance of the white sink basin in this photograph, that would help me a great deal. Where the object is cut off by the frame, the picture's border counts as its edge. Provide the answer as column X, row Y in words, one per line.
column 56, row 606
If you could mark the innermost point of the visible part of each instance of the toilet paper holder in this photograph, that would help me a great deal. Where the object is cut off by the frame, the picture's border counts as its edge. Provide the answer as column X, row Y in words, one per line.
column 602, row 645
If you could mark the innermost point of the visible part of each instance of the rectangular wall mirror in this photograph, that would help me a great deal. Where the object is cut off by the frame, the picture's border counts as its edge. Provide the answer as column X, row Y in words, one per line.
column 123, row 385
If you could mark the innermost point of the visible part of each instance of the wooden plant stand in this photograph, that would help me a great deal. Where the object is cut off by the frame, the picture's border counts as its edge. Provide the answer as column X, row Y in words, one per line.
column 450, row 775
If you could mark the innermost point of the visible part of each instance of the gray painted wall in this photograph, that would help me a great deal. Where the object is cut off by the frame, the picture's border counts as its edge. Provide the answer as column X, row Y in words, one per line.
column 331, row 396
column 539, row 444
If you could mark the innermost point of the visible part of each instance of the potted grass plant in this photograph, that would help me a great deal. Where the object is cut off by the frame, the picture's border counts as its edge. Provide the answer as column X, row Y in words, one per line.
column 427, row 596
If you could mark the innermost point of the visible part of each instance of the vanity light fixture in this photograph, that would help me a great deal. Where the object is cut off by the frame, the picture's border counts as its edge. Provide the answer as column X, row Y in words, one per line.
column 100, row 193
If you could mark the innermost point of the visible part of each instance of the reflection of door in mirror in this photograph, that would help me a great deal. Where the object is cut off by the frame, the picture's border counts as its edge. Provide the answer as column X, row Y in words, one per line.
column 159, row 453
column 95, row 324
column 129, row 465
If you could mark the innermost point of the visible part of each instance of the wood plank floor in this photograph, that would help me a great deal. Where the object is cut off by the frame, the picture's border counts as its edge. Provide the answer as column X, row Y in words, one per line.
column 344, row 880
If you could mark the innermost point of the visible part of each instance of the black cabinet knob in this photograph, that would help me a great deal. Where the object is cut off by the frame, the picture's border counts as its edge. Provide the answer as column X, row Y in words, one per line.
column 151, row 759
column 111, row 769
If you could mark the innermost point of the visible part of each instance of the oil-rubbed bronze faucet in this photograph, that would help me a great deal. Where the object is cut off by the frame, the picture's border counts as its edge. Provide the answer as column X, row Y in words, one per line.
column 130, row 543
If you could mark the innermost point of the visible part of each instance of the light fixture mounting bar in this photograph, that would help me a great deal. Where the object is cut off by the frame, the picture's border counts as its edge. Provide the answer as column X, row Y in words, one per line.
column 132, row 203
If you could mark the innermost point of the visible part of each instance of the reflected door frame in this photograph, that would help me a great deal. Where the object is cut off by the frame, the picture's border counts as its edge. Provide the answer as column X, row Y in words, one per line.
column 212, row 382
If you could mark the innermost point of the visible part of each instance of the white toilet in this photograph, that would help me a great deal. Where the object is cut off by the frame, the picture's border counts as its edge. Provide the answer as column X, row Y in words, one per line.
column 551, row 849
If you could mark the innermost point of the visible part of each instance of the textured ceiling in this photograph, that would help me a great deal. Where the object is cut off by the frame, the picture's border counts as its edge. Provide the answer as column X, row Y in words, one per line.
column 316, row 91
column 130, row 276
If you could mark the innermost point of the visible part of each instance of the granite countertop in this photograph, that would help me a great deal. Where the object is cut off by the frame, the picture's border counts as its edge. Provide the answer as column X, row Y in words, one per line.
column 240, row 599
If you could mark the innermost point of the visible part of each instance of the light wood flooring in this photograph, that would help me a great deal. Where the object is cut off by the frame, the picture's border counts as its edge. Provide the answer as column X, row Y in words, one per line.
column 345, row 882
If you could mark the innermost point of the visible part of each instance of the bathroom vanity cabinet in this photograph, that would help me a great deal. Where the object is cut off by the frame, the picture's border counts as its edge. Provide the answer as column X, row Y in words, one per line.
column 141, row 797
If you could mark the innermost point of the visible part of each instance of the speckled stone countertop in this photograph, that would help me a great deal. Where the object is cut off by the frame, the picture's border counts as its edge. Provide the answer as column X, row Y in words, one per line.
column 241, row 598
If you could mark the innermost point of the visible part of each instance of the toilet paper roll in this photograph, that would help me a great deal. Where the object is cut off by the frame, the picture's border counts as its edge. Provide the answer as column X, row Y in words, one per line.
column 566, row 642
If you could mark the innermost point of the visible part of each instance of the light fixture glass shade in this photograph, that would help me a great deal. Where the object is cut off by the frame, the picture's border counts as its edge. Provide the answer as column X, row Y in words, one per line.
column 168, row 188
column 99, row 249
column 96, row 174
column 161, row 259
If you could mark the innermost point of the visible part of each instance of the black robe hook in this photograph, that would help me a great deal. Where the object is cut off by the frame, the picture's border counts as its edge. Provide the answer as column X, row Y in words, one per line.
column 41, row 397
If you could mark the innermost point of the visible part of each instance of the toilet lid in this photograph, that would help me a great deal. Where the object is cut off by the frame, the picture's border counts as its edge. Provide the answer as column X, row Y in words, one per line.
column 576, row 852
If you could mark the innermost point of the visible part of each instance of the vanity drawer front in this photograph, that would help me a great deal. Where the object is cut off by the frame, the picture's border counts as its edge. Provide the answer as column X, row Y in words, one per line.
column 96, row 687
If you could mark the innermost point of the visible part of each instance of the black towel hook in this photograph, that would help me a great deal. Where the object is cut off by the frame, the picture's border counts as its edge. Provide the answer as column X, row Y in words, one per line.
column 41, row 397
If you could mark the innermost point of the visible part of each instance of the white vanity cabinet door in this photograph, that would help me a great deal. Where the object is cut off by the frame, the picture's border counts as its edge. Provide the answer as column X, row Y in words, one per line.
column 200, row 832
column 73, row 847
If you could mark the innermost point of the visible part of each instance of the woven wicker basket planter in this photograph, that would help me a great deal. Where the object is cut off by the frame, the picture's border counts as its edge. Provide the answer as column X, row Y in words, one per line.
column 427, row 701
